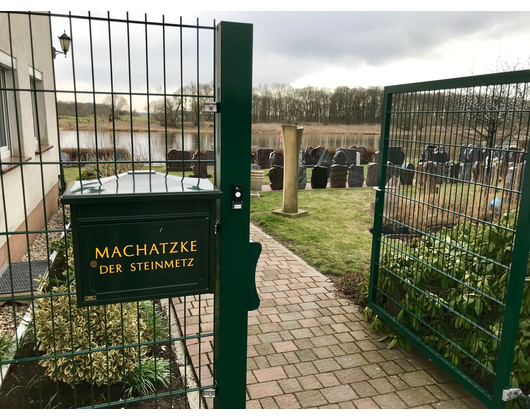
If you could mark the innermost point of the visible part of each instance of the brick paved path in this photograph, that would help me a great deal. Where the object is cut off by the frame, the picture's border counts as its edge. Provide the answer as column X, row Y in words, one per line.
column 309, row 349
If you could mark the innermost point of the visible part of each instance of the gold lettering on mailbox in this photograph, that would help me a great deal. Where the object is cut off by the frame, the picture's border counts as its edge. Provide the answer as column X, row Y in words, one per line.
column 139, row 250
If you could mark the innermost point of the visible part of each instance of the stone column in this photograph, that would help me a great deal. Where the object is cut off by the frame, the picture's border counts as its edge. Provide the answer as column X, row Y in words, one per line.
column 292, row 139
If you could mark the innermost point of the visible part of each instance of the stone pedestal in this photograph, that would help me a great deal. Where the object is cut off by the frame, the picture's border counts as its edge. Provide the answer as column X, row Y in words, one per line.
column 292, row 136
column 256, row 182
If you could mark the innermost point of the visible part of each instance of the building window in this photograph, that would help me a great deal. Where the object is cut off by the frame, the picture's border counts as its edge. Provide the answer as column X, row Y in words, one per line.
column 5, row 129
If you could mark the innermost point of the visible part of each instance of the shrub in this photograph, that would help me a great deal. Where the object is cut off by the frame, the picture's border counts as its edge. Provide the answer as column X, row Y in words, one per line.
column 90, row 171
column 63, row 327
column 471, row 287
column 6, row 345
column 143, row 378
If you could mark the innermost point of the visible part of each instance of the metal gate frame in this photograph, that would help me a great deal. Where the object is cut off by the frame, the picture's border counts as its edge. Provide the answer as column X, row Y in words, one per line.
column 521, row 250
column 235, row 292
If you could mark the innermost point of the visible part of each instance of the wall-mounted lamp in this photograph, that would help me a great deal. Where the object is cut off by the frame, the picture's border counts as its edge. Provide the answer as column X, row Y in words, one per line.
column 65, row 41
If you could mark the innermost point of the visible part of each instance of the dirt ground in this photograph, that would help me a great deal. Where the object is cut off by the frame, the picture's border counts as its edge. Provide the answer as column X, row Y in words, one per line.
column 139, row 126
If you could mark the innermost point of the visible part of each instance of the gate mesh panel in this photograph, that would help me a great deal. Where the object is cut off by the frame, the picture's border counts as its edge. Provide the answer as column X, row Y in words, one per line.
column 453, row 187
column 121, row 75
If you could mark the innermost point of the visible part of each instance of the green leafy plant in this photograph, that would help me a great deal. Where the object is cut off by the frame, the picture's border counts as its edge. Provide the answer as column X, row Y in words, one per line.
column 6, row 345
column 156, row 327
column 143, row 378
column 453, row 283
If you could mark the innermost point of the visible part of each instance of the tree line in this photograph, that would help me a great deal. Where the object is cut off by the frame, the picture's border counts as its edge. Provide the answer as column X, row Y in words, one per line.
column 342, row 105
column 275, row 103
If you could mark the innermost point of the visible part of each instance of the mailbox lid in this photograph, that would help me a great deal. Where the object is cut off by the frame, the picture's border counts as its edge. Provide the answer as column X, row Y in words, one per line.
column 139, row 185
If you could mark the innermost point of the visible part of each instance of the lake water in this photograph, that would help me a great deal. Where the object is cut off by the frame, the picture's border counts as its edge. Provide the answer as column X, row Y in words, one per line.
column 155, row 145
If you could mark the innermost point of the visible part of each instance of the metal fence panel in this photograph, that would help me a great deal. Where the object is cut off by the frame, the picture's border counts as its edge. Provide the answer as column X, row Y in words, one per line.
column 450, row 250
column 125, row 98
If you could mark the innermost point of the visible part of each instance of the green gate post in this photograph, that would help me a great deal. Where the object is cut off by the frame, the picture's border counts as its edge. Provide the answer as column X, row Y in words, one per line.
column 233, row 138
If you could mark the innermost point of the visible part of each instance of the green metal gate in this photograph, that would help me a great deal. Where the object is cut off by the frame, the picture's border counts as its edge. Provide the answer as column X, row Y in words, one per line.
column 450, row 249
column 124, row 96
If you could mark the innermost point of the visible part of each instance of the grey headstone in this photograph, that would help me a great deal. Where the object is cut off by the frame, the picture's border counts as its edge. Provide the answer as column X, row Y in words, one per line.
column 514, row 176
column 210, row 154
column 65, row 157
column 302, row 177
column 371, row 176
column 356, row 176
column 441, row 171
column 365, row 156
column 376, row 157
column 464, row 173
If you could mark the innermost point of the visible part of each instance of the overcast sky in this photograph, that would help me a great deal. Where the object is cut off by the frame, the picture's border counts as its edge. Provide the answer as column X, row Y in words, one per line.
column 316, row 48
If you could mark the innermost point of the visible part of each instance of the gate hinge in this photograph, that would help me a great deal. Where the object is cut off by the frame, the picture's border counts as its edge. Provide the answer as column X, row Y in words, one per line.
column 212, row 107
column 511, row 394
column 209, row 393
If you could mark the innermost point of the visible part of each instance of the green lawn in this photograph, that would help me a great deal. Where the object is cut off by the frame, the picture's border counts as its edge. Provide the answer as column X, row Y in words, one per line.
column 333, row 238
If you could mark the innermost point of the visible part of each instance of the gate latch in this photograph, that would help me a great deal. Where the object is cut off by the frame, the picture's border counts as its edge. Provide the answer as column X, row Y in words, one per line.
column 208, row 393
column 212, row 107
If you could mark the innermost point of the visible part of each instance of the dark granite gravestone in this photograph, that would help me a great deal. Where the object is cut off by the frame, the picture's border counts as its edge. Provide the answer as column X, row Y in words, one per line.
column 406, row 175
column 262, row 157
column 395, row 155
column 302, row 177
column 338, row 176
column 313, row 155
column 427, row 153
column 349, row 154
column 305, row 155
column 319, row 177
column 276, row 178
column 325, row 160
column 440, row 155
column 392, row 170
column 356, row 176
column 178, row 155
column 371, row 176
column 340, row 158
column 276, row 159
column 203, row 166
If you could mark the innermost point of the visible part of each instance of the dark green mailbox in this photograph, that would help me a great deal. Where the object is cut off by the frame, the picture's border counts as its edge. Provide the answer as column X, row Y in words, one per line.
column 142, row 235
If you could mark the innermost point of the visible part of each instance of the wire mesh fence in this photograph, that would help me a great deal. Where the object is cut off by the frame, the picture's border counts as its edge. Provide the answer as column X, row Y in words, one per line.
column 453, row 166
column 128, row 97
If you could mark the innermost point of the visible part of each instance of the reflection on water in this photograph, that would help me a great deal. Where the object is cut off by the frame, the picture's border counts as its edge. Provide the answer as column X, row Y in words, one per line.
column 152, row 146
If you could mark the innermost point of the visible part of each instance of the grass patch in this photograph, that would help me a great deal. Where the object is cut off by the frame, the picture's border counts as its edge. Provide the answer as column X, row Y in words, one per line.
column 333, row 238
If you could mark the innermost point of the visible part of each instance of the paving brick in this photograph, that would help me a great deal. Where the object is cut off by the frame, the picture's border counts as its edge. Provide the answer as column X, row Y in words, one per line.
column 253, row 405
column 328, row 379
column 347, row 405
column 290, row 386
column 302, row 333
column 366, row 403
column 351, row 360
column 264, row 349
column 270, row 337
column 269, row 374
column 451, row 404
column 382, row 385
column 306, row 355
column 455, row 390
column 323, row 352
column 276, row 359
column 264, row 390
column 437, row 392
column 389, row 401
column 287, row 401
column 339, row 394
column 306, row 368
column 326, row 365
column 284, row 346
column 419, row 378
column 474, row 403
column 364, row 389
column 309, row 382
column 269, row 403
column 416, row 396
column 348, row 376
column 309, row 399
column 373, row 371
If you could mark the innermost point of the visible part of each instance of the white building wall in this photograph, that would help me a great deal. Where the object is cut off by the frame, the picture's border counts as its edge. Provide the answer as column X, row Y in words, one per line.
column 22, row 190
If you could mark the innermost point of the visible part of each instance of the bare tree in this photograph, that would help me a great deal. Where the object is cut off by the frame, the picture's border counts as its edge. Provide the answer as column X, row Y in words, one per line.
column 116, row 107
